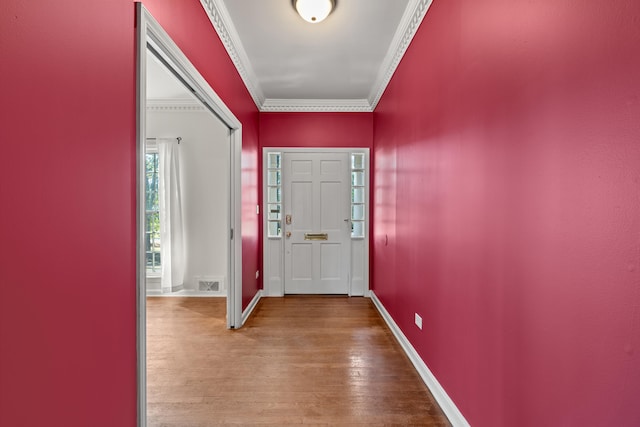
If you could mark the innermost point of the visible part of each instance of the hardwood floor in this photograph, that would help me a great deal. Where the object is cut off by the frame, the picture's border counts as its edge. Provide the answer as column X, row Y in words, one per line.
column 298, row 360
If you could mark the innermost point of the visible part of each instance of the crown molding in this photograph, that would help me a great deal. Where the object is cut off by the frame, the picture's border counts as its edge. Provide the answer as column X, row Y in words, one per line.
column 409, row 24
column 221, row 21
column 181, row 105
column 316, row 105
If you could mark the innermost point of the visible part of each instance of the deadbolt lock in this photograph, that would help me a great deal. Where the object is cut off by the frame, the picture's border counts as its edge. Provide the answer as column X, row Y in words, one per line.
column 287, row 219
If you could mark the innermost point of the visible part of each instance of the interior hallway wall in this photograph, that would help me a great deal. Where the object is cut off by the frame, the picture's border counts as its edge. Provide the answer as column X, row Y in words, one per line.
column 204, row 172
column 67, row 223
column 333, row 130
column 508, row 185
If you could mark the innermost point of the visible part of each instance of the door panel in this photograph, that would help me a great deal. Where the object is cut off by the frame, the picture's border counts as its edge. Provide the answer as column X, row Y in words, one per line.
column 317, row 239
column 301, row 269
column 330, row 254
column 301, row 206
column 330, row 217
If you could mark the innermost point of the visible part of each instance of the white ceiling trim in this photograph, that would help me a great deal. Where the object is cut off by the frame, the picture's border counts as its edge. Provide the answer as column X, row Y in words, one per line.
column 409, row 24
column 221, row 21
column 185, row 106
column 317, row 105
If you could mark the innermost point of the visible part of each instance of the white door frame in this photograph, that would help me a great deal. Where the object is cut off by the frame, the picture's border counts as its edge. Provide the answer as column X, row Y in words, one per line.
column 273, row 247
column 150, row 35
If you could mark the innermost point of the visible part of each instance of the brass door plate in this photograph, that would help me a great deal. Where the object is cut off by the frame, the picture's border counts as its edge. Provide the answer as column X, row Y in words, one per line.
column 316, row 236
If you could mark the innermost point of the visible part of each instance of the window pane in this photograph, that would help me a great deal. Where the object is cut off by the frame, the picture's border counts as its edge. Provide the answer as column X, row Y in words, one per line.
column 357, row 212
column 152, row 218
column 274, row 195
column 151, row 183
column 357, row 195
column 274, row 212
column 273, row 161
column 273, row 178
column 274, row 228
column 357, row 229
column 156, row 261
column 357, row 161
column 357, row 178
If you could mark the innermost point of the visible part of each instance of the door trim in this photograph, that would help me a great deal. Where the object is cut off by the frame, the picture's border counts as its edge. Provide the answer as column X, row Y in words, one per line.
column 150, row 35
column 273, row 248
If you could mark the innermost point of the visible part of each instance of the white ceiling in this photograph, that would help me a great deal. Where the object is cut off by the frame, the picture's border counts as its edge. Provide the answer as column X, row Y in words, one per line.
column 338, row 58
column 341, row 64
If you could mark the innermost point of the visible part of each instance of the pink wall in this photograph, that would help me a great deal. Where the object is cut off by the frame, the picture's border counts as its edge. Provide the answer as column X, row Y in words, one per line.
column 67, row 312
column 316, row 130
column 507, row 182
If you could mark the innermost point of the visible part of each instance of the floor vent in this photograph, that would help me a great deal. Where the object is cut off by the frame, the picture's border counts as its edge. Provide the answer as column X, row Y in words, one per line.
column 209, row 285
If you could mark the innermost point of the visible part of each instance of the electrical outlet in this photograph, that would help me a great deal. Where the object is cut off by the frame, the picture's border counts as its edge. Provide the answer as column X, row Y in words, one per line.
column 257, row 274
column 418, row 321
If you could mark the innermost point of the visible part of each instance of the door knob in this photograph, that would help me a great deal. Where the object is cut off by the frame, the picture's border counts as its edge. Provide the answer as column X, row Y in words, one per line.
column 288, row 234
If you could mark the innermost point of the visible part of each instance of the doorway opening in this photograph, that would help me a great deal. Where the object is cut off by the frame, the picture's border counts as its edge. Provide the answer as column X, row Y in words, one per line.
column 154, row 156
column 316, row 222
column 187, row 162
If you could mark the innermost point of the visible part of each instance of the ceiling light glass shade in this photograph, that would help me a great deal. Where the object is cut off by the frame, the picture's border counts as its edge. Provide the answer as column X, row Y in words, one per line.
column 314, row 11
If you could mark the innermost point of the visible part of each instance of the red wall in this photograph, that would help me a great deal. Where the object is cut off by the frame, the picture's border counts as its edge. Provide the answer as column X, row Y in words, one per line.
column 67, row 221
column 507, row 183
column 316, row 130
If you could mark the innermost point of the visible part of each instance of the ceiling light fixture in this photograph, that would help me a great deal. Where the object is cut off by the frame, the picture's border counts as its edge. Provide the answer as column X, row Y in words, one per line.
column 314, row 11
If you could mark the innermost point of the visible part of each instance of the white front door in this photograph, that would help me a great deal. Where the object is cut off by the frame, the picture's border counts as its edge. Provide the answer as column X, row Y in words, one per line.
column 317, row 226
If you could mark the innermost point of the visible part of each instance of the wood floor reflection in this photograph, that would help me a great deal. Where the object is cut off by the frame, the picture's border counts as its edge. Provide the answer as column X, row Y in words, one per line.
column 298, row 360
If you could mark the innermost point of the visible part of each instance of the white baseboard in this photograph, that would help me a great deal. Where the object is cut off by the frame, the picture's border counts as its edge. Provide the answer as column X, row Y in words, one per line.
column 247, row 312
column 446, row 404
column 184, row 293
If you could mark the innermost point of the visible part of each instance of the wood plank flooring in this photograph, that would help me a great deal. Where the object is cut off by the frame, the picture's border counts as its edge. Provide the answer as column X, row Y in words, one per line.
column 297, row 361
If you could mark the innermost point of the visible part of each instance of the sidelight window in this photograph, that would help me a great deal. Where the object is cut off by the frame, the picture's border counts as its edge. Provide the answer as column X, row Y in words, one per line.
column 357, row 195
column 274, row 195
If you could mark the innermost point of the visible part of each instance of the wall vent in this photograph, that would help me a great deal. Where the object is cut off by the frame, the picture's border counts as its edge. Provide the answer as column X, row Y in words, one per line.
column 209, row 285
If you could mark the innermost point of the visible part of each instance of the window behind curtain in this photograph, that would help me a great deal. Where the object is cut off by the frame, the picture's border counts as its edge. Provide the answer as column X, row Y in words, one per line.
column 152, row 223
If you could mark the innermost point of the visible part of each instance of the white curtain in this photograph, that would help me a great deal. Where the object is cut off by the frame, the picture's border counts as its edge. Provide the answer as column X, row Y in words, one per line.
column 171, row 226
